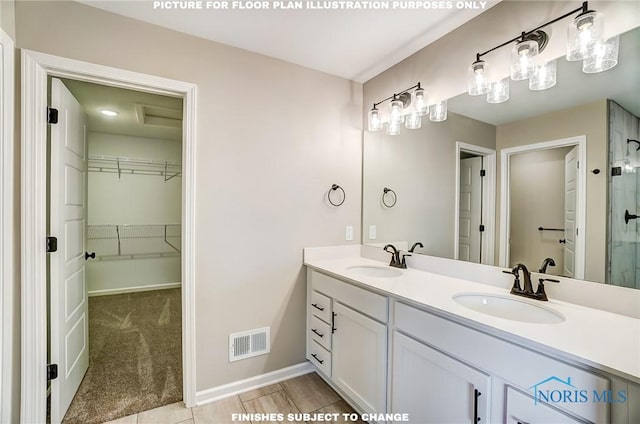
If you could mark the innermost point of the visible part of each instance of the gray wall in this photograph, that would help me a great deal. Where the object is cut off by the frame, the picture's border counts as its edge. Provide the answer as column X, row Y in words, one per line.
column 271, row 139
column 419, row 165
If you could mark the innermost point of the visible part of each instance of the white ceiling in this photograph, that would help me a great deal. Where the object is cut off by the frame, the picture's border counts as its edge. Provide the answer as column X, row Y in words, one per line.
column 94, row 97
column 353, row 44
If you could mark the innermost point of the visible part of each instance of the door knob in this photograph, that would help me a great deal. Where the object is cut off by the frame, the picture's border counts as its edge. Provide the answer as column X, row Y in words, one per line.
column 88, row 255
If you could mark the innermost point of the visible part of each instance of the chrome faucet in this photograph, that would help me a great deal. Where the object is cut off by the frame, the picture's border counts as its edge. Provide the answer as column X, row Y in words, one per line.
column 395, row 257
column 527, row 291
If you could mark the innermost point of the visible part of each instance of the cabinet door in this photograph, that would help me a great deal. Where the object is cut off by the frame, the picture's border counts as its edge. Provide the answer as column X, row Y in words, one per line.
column 521, row 409
column 435, row 388
column 360, row 358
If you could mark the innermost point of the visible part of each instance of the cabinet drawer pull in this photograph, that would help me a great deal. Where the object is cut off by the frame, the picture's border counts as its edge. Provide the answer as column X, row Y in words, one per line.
column 333, row 323
column 316, row 358
column 476, row 395
column 315, row 305
column 317, row 332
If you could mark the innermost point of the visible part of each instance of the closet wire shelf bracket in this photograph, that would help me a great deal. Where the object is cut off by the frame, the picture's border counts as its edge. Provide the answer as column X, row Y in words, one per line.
column 134, row 241
column 125, row 165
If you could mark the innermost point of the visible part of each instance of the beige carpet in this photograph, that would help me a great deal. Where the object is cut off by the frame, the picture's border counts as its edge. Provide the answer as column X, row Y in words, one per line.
column 135, row 356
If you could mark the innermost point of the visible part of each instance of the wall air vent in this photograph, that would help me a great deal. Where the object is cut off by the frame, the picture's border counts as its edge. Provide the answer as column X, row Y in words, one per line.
column 159, row 116
column 249, row 343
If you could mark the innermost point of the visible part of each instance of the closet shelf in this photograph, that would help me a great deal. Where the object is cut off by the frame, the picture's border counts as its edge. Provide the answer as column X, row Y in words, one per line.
column 125, row 165
column 134, row 241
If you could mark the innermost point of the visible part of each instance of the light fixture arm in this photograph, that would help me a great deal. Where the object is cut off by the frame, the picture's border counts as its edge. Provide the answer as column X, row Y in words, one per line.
column 582, row 9
column 395, row 96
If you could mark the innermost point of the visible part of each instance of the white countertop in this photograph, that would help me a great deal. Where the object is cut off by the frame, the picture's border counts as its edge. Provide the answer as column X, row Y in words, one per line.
column 596, row 338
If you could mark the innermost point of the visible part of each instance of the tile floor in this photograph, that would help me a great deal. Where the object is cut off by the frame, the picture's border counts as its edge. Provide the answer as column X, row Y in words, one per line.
column 305, row 394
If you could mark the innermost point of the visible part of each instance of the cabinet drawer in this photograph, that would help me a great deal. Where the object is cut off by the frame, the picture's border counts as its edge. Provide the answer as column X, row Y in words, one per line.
column 369, row 303
column 320, row 331
column 320, row 306
column 320, row 357
column 521, row 408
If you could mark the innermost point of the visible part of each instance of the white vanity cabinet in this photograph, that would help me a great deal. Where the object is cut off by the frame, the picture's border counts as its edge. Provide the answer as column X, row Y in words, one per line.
column 347, row 339
column 435, row 388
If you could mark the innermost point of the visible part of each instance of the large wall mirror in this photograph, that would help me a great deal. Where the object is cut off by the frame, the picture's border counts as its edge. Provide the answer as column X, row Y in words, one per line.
column 547, row 174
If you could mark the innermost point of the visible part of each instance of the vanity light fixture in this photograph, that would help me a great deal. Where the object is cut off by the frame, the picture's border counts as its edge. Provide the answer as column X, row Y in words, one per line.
column 584, row 42
column 478, row 77
column 544, row 76
column 605, row 57
column 408, row 107
column 499, row 91
column 438, row 112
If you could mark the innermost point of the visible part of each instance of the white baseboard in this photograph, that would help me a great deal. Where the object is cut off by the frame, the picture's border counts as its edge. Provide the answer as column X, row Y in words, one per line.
column 122, row 290
column 231, row 389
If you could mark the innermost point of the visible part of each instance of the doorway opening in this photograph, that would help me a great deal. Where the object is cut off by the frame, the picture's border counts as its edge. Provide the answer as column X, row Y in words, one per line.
column 36, row 370
column 475, row 200
column 543, row 206
column 115, row 203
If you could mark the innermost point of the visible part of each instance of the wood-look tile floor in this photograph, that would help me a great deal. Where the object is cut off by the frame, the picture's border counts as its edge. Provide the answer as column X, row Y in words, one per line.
column 305, row 394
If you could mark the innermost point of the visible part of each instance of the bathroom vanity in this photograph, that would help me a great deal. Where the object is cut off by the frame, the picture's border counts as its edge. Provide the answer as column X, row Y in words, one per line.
column 444, row 349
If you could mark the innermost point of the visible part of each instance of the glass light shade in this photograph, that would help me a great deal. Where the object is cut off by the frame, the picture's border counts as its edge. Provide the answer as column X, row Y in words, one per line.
column 605, row 57
column 413, row 121
column 420, row 102
column 498, row 91
column 395, row 112
column 544, row 76
column 523, row 59
column 393, row 128
column 375, row 123
column 438, row 112
column 478, row 78
column 584, row 34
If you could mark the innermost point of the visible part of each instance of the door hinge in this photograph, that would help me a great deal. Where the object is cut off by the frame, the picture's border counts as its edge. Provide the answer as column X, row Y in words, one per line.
column 616, row 171
column 578, row 164
column 483, row 173
column 52, row 371
column 52, row 115
column 481, row 228
column 52, row 244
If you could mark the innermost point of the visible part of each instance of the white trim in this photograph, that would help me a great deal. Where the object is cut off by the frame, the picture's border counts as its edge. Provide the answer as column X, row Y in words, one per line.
column 581, row 201
column 488, row 200
column 133, row 289
column 6, row 226
column 240, row 386
column 36, row 67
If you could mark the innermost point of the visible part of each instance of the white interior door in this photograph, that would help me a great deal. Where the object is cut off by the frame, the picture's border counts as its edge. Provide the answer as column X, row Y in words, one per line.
column 470, row 210
column 570, row 193
column 68, row 301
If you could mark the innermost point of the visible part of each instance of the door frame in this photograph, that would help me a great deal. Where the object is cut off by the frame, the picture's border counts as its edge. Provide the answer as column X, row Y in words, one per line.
column 7, row 282
column 36, row 67
column 488, row 200
column 505, row 168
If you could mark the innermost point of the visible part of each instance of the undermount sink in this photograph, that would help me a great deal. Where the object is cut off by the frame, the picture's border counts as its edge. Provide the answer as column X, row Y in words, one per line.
column 374, row 271
column 508, row 307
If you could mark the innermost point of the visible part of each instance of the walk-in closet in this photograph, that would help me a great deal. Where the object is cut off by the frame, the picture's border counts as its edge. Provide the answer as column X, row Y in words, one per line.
column 127, row 302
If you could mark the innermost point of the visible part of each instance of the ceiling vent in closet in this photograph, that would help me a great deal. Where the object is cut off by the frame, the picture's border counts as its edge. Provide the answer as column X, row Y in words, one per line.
column 159, row 116
column 249, row 343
